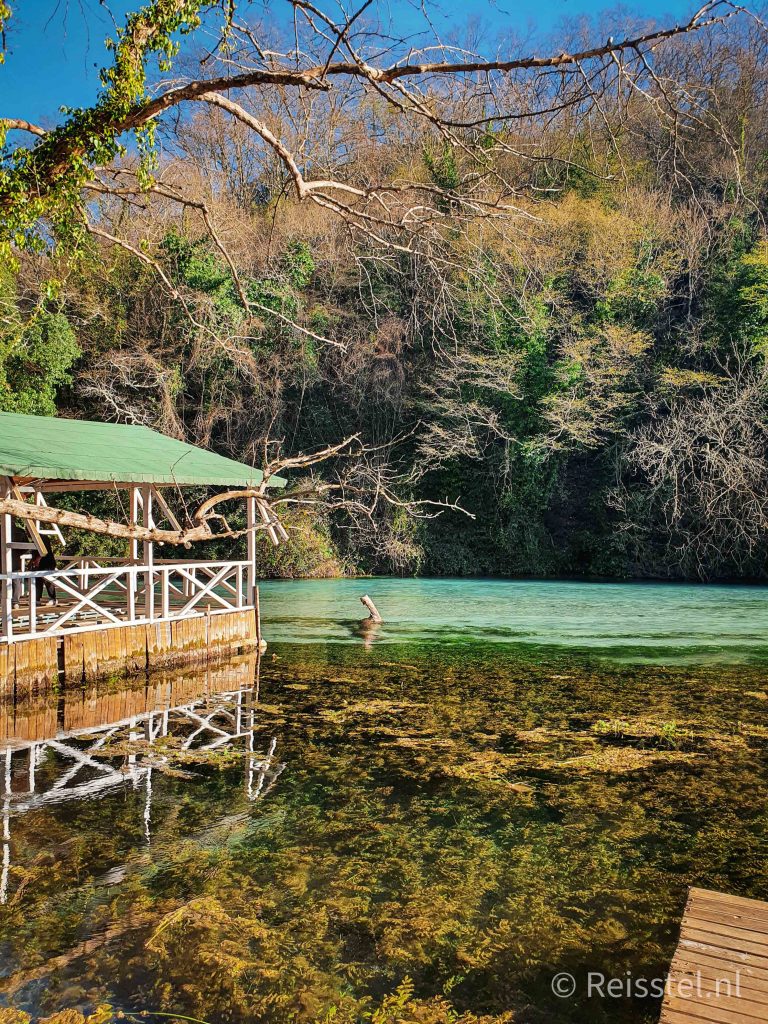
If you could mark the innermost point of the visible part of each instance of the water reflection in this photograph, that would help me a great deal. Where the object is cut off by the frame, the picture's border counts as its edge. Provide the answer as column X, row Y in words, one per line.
column 90, row 742
column 367, row 630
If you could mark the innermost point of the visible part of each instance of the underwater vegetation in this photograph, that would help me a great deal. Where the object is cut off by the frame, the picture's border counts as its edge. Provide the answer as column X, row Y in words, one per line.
column 452, row 827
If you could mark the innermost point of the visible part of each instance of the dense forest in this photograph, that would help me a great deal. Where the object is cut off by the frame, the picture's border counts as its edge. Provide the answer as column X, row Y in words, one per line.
column 582, row 367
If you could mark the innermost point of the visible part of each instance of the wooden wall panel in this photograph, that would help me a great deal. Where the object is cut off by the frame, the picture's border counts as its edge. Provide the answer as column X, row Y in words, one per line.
column 36, row 666
column 7, row 670
column 32, row 665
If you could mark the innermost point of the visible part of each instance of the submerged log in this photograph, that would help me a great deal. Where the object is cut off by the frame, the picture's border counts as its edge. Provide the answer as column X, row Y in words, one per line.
column 374, row 612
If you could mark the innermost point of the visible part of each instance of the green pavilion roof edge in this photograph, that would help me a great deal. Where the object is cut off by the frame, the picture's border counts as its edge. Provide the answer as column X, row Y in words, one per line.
column 57, row 448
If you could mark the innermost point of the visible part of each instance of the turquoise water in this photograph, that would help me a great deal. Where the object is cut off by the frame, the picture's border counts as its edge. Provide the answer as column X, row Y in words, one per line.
column 641, row 622
column 424, row 822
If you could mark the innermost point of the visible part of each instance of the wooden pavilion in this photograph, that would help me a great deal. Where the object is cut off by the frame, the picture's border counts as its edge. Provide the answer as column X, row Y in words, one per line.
column 127, row 612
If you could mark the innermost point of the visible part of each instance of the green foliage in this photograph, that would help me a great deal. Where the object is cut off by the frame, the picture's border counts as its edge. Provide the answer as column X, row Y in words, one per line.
column 443, row 168
column 591, row 171
column 35, row 358
column 752, row 297
column 197, row 266
column 270, row 294
column 633, row 297
column 734, row 301
column 5, row 14
column 42, row 185
column 311, row 552
column 298, row 263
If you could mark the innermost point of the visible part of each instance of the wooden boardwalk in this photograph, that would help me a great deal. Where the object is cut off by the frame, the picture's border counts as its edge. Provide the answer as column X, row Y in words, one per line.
column 719, row 973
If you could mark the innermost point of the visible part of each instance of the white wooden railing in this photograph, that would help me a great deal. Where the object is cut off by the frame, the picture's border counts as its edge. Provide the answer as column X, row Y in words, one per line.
column 92, row 595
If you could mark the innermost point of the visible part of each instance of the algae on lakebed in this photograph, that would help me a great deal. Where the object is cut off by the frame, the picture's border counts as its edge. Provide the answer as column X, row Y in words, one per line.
column 453, row 827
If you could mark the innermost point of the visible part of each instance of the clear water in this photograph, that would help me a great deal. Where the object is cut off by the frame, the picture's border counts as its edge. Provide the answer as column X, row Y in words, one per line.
column 424, row 824
column 654, row 622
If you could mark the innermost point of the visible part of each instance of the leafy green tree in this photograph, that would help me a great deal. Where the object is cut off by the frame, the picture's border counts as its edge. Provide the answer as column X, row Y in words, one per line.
column 35, row 358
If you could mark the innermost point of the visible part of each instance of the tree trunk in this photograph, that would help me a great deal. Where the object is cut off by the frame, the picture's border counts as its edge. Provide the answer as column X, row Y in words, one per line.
column 375, row 617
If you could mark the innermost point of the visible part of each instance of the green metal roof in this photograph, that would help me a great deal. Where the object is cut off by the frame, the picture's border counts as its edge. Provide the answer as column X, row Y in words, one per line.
column 60, row 449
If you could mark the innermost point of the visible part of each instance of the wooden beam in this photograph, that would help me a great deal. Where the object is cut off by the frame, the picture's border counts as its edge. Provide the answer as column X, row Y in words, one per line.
column 165, row 509
column 31, row 527
column 65, row 486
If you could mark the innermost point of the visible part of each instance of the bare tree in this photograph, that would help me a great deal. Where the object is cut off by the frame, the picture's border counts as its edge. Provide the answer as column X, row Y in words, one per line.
column 698, row 467
column 361, row 481
column 348, row 80
column 416, row 162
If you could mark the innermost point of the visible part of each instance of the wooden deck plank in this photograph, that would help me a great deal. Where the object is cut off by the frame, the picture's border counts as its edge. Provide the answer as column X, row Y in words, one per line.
column 728, row 984
column 719, row 974
column 715, row 940
column 706, row 909
column 718, row 1010
column 724, row 899
column 709, row 967
column 744, row 922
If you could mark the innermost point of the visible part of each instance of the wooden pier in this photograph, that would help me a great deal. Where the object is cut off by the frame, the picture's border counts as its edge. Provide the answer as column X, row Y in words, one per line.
column 719, row 974
column 75, row 619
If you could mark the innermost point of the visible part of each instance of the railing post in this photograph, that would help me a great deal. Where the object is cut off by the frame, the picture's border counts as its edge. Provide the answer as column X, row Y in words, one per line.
column 257, row 614
column 130, row 591
column 6, row 584
column 133, row 554
column 165, row 591
column 33, row 606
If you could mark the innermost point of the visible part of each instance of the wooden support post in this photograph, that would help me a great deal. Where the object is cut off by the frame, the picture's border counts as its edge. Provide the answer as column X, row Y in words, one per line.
column 31, row 528
column 133, row 555
column 149, row 555
column 133, row 552
column 6, row 588
column 250, row 506
column 257, row 614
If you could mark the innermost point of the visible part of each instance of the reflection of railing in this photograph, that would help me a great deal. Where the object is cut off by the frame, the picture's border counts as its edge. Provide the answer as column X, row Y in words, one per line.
column 78, row 763
column 90, row 594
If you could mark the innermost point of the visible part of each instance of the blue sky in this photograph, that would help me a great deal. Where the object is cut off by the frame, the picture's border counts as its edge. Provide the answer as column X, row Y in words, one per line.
column 57, row 46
